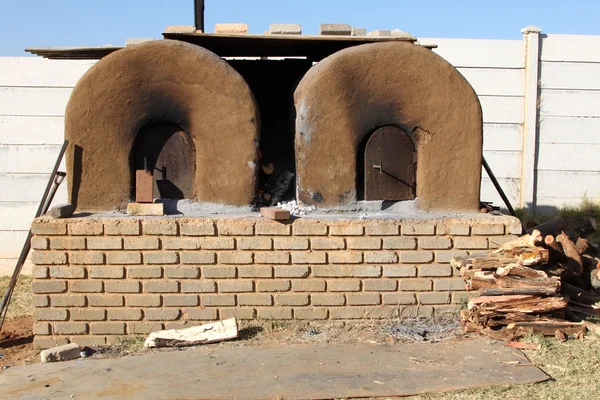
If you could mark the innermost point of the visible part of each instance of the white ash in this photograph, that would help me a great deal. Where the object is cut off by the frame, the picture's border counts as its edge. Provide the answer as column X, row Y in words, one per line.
column 296, row 209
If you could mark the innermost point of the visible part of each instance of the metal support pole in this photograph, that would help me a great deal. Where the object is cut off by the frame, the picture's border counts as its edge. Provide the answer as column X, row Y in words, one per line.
column 55, row 180
column 199, row 14
column 498, row 188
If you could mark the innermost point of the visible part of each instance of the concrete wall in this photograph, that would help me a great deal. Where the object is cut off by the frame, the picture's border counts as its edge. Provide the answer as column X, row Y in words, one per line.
column 553, row 159
column 33, row 96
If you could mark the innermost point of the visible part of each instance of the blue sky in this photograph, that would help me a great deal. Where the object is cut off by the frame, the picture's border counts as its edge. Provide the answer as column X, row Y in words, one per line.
column 40, row 23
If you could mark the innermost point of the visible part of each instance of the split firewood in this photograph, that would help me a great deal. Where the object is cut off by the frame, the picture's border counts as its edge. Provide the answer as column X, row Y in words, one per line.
column 546, row 327
column 581, row 245
column 532, row 305
column 560, row 335
column 523, row 241
column 488, row 279
column 533, row 291
column 497, row 299
column 505, row 335
column 519, row 270
column 574, row 267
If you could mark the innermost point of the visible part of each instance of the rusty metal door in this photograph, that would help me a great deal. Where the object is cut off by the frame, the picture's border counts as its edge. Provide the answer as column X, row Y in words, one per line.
column 390, row 165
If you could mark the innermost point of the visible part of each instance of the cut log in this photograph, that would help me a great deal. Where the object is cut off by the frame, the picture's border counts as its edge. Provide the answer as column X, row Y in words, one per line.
column 204, row 334
column 556, row 252
column 579, row 295
column 552, row 227
column 573, row 264
column 504, row 335
column 585, row 310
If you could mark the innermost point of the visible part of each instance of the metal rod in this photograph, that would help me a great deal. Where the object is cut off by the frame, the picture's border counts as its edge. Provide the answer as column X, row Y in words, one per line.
column 498, row 188
column 42, row 208
column 199, row 14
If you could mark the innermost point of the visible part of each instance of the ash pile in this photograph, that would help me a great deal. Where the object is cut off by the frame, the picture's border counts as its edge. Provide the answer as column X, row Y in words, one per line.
column 545, row 282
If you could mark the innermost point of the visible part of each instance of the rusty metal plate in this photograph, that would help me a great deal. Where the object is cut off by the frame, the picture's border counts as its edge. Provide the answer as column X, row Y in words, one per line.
column 390, row 169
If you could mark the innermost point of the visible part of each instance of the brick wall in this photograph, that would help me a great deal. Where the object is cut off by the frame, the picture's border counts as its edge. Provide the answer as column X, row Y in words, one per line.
column 97, row 279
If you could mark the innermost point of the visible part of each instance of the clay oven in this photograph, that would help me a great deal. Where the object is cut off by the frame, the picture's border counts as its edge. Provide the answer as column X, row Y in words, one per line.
column 377, row 121
column 347, row 123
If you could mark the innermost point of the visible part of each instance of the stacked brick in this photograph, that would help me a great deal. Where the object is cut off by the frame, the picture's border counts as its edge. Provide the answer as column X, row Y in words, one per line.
column 98, row 279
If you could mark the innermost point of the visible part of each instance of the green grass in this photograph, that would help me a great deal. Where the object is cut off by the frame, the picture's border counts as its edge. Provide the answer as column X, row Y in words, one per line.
column 587, row 208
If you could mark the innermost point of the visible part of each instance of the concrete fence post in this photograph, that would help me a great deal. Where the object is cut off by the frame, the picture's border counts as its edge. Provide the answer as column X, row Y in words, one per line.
column 531, row 35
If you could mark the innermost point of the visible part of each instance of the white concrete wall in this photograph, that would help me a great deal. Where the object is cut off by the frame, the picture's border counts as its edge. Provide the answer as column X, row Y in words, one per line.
column 33, row 96
column 568, row 165
column 35, row 91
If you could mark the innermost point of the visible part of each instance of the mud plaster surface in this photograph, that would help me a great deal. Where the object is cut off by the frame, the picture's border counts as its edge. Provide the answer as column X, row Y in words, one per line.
column 166, row 81
column 352, row 92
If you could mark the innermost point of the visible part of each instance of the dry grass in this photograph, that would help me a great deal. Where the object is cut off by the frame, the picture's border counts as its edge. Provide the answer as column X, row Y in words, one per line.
column 21, row 302
column 574, row 367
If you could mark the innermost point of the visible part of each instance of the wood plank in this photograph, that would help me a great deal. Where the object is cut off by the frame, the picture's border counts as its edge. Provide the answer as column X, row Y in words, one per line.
column 570, row 75
column 573, row 103
column 28, row 187
column 203, row 334
column 496, row 81
column 29, row 159
column 39, row 72
column 49, row 102
column 569, row 130
column 583, row 48
column 505, row 110
column 480, row 52
column 569, row 157
column 32, row 130
column 502, row 137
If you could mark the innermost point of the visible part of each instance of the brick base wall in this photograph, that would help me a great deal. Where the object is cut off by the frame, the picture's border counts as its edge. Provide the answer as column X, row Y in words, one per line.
column 97, row 279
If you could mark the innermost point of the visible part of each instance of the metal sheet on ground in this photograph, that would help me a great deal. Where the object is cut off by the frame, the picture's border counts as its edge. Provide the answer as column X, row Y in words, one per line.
column 305, row 371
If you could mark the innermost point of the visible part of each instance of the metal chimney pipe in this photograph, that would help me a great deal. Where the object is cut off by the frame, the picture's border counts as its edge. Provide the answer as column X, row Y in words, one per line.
column 199, row 14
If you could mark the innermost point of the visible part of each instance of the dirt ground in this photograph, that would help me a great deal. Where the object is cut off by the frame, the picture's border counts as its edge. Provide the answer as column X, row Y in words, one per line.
column 573, row 365
column 16, row 343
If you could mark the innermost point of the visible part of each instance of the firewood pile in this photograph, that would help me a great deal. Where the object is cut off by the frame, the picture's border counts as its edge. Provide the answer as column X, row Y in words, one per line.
column 544, row 282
